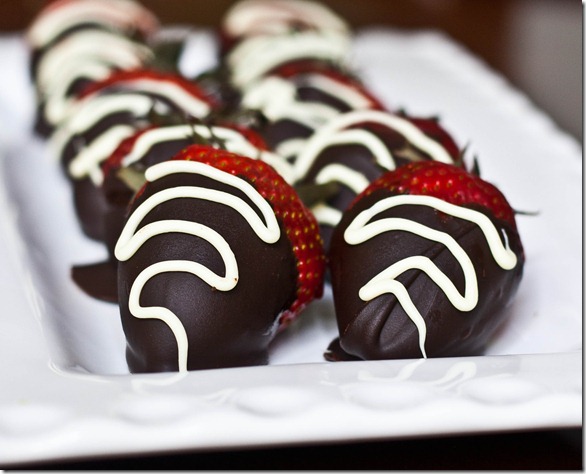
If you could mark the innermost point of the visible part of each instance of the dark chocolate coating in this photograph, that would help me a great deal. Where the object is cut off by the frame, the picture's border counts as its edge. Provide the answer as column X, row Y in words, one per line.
column 90, row 205
column 225, row 328
column 98, row 280
column 274, row 133
column 307, row 93
column 380, row 328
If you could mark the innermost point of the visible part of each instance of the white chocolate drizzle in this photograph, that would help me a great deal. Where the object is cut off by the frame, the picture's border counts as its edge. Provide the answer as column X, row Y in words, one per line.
column 277, row 99
column 344, row 92
column 354, row 180
column 290, row 148
column 328, row 135
column 339, row 131
column 87, row 161
column 86, row 45
column 123, row 15
column 85, row 115
column 273, row 17
column 326, row 214
column 58, row 103
column 93, row 108
column 257, row 55
column 168, row 89
column 131, row 239
column 363, row 228
column 230, row 139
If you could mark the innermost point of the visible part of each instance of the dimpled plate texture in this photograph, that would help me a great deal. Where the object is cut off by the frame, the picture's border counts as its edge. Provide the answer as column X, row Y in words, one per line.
column 66, row 392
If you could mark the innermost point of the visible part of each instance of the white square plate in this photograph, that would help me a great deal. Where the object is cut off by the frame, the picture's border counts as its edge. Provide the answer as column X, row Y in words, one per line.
column 65, row 389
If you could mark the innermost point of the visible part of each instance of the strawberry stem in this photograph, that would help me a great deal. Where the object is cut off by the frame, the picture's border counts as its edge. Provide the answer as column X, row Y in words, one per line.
column 132, row 177
column 311, row 194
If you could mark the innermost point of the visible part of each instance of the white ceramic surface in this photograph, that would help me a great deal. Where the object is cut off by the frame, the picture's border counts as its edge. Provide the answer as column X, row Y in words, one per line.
column 64, row 388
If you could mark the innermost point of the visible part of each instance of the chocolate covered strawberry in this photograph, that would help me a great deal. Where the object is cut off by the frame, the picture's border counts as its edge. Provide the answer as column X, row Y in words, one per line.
column 423, row 264
column 218, row 253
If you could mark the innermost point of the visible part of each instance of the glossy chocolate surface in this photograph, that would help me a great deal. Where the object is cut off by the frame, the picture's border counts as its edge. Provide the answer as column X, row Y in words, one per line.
column 380, row 328
column 225, row 328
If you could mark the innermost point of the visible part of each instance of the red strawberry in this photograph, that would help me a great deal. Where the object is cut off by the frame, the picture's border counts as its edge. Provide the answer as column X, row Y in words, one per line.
column 300, row 224
column 450, row 183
